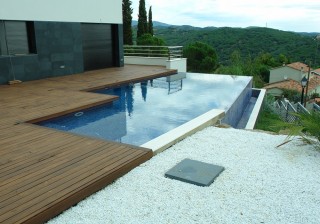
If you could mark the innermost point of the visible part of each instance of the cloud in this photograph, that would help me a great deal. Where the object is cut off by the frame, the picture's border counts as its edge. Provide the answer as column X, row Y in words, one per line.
column 294, row 15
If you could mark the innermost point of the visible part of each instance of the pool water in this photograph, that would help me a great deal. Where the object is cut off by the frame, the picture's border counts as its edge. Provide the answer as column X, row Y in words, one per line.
column 151, row 108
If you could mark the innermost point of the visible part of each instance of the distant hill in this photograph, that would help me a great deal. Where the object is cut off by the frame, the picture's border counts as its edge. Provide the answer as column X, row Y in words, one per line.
column 250, row 41
column 155, row 23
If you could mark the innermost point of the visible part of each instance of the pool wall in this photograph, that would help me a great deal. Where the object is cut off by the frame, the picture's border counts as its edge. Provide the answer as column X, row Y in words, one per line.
column 234, row 113
column 170, row 138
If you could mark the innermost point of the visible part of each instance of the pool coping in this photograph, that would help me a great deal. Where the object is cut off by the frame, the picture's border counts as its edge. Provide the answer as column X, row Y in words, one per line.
column 256, row 109
column 161, row 143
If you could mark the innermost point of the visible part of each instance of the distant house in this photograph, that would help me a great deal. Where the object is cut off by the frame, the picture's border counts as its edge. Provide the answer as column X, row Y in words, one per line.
column 40, row 39
column 276, row 88
column 316, row 72
column 295, row 71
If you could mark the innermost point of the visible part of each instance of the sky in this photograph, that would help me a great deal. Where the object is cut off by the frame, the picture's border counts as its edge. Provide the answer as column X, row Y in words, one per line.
column 287, row 15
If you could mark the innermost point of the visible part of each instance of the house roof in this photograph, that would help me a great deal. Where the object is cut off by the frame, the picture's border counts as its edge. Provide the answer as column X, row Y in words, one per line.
column 299, row 66
column 316, row 71
column 296, row 66
column 285, row 84
column 314, row 82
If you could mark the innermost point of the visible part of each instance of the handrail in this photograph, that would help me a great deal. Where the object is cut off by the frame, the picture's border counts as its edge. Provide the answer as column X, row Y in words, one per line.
column 302, row 109
column 316, row 107
column 170, row 52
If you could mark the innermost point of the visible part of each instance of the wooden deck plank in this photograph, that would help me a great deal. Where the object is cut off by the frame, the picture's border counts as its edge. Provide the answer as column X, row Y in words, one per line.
column 71, row 171
column 45, row 171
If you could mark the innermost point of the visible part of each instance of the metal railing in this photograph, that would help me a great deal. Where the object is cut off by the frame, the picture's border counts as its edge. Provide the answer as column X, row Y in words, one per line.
column 287, row 112
column 170, row 52
column 316, row 107
column 301, row 109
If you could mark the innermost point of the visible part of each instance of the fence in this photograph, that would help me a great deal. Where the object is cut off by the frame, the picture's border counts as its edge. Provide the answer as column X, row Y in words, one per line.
column 316, row 107
column 287, row 111
column 301, row 109
column 169, row 52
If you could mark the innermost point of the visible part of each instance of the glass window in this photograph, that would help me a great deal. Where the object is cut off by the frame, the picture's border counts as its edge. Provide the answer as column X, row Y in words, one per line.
column 14, row 38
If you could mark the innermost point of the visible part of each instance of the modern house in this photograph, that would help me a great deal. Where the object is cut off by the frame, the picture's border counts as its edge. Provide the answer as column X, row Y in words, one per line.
column 41, row 39
column 295, row 71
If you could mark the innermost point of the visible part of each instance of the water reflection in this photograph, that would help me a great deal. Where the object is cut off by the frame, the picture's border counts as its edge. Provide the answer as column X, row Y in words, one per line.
column 144, row 90
column 173, row 83
column 129, row 98
column 148, row 109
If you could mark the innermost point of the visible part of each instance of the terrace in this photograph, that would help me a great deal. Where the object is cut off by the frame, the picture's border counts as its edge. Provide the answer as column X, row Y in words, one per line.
column 44, row 171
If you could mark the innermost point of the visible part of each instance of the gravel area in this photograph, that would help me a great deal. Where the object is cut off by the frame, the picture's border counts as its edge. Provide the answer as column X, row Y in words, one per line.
column 260, row 184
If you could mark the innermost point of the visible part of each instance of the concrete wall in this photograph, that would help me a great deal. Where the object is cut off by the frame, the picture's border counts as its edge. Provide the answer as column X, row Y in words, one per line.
column 261, row 93
column 235, row 112
column 283, row 73
column 179, row 63
column 97, row 11
column 136, row 60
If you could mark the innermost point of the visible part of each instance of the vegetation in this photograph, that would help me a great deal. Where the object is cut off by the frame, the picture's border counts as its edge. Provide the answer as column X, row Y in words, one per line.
column 127, row 20
column 266, row 121
column 150, row 23
column 149, row 40
column 307, row 125
column 267, row 118
column 142, row 19
column 292, row 95
column 201, row 57
column 251, row 42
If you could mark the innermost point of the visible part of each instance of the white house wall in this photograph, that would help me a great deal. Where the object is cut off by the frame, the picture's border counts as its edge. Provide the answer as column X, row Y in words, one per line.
column 284, row 73
column 95, row 11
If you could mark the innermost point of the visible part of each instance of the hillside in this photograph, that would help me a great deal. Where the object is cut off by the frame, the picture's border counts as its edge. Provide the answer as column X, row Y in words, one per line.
column 250, row 41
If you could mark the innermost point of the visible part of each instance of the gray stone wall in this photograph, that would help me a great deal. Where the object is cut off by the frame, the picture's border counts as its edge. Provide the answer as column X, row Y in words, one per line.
column 58, row 52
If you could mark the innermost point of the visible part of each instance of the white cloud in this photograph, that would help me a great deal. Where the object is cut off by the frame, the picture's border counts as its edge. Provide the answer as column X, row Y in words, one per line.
column 294, row 15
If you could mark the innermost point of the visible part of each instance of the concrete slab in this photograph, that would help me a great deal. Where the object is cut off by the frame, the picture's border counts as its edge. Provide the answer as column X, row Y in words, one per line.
column 195, row 172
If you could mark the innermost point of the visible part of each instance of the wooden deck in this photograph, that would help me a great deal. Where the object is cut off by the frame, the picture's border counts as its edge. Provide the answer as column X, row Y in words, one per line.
column 43, row 171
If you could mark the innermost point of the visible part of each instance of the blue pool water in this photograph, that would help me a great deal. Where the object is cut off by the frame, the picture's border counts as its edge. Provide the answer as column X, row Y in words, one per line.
column 149, row 109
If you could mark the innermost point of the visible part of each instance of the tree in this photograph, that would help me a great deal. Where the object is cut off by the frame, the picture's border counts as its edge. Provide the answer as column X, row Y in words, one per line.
column 142, row 19
column 148, row 40
column 127, row 20
column 150, row 23
column 201, row 57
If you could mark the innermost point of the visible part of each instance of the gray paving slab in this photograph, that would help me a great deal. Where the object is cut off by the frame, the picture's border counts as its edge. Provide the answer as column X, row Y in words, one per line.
column 195, row 172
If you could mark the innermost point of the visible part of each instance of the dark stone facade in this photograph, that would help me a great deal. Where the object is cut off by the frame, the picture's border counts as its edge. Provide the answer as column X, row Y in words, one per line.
column 59, row 51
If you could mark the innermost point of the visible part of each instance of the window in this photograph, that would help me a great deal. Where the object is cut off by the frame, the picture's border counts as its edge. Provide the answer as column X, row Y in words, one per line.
column 16, row 37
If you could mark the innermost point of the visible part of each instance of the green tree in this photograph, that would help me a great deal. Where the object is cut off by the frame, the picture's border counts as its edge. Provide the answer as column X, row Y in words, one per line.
column 246, row 66
column 150, row 23
column 127, row 20
column 282, row 59
column 201, row 57
column 149, row 40
column 142, row 19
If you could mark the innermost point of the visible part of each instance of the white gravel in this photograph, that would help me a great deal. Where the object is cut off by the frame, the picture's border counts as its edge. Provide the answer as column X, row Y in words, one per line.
column 260, row 184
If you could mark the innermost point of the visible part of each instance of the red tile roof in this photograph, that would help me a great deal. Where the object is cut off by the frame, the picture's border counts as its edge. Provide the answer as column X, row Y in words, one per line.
column 299, row 66
column 316, row 71
column 314, row 82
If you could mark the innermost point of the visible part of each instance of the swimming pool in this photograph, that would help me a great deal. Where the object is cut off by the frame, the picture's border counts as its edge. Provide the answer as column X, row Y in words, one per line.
column 151, row 108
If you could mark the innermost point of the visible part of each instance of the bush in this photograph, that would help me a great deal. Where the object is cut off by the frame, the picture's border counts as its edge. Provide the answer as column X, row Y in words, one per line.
column 291, row 95
column 149, row 40
column 201, row 57
column 306, row 126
